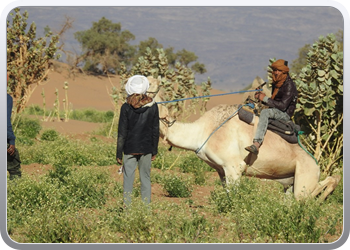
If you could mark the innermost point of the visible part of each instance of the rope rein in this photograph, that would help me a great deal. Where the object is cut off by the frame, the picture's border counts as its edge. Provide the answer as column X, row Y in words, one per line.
column 196, row 97
column 248, row 104
column 301, row 145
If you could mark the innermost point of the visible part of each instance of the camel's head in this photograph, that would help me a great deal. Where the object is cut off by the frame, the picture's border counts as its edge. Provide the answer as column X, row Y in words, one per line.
column 156, row 93
column 257, row 81
column 154, row 85
column 165, row 120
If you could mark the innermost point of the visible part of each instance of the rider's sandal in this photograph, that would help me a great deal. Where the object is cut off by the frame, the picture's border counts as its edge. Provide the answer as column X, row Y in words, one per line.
column 253, row 149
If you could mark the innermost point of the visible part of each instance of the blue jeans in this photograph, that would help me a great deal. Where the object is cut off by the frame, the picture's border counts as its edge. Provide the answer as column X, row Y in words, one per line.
column 265, row 115
column 130, row 163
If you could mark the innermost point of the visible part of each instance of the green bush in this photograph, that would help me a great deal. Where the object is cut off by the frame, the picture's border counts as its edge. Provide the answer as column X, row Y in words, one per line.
column 177, row 187
column 25, row 141
column 64, row 152
column 85, row 188
column 34, row 110
column 92, row 115
column 163, row 159
column 27, row 128
column 46, row 209
column 49, row 135
column 263, row 216
column 191, row 164
column 60, row 172
column 160, row 223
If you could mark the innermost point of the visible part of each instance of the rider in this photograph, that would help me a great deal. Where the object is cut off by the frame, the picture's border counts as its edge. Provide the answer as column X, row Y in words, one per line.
column 281, row 104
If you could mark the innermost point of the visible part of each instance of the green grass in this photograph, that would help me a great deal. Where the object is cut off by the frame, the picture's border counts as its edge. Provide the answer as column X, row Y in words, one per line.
column 88, row 115
column 78, row 200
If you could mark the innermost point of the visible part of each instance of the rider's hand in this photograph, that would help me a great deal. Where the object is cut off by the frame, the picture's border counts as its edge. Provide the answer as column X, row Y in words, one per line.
column 261, row 96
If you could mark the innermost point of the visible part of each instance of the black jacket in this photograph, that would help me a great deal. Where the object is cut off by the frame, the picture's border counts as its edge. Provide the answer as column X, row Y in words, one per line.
column 138, row 130
column 286, row 98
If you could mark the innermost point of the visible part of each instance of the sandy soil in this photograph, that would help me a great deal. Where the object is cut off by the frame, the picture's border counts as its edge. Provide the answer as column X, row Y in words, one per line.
column 93, row 92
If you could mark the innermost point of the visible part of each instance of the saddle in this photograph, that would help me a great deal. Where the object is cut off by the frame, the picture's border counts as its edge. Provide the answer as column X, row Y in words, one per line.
column 286, row 129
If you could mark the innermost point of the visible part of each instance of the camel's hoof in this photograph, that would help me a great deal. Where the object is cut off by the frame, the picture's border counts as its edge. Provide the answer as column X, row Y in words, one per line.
column 337, row 179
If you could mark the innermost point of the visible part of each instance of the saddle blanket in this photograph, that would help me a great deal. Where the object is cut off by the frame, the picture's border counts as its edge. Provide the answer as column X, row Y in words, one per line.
column 287, row 130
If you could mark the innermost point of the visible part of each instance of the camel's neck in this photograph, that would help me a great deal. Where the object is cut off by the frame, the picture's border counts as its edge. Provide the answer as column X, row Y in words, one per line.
column 185, row 135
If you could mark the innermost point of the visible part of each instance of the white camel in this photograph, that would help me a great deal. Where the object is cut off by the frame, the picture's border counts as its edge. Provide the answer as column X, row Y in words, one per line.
column 278, row 160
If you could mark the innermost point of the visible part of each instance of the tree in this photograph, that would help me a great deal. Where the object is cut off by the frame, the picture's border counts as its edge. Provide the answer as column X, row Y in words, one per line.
column 301, row 61
column 184, row 57
column 171, row 56
column 178, row 82
column 152, row 43
column 28, row 58
column 105, row 46
column 340, row 38
column 199, row 68
column 320, row 105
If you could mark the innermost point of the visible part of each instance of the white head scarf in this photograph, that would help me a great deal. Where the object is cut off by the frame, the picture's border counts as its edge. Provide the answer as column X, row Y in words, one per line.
column 137, row 84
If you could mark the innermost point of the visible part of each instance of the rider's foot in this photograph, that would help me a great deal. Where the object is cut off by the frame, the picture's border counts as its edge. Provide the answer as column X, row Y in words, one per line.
column 254, row 148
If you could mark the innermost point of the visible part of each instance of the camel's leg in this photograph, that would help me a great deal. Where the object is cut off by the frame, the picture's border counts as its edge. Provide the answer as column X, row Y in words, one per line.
column 220, row 172
column 305, row 180
column 307, row 183
column 330, row 183
column 234, row 173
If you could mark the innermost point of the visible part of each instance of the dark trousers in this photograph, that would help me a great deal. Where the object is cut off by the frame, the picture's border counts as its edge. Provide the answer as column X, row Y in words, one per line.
column 14, row 165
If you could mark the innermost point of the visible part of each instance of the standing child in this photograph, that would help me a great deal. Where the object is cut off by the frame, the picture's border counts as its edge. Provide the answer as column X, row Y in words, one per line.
column 138, row 136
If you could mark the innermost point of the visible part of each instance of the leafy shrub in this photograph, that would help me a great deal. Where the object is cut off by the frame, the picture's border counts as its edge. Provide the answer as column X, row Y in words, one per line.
column 270, row 218
column 160, row 223
column 64, row 226
column 28, row 128
column 85, row 187
column 34, row 110
column 60, row 172
column 163, row 159
column 49, row 135
column 199, row 177
column 64, row 152
column 46, row 208
column 109, row 115
column 157, row 178
column 192, row 164
column 92, row 115
column 27, row 197
column 24, row 141
column 177, row 187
